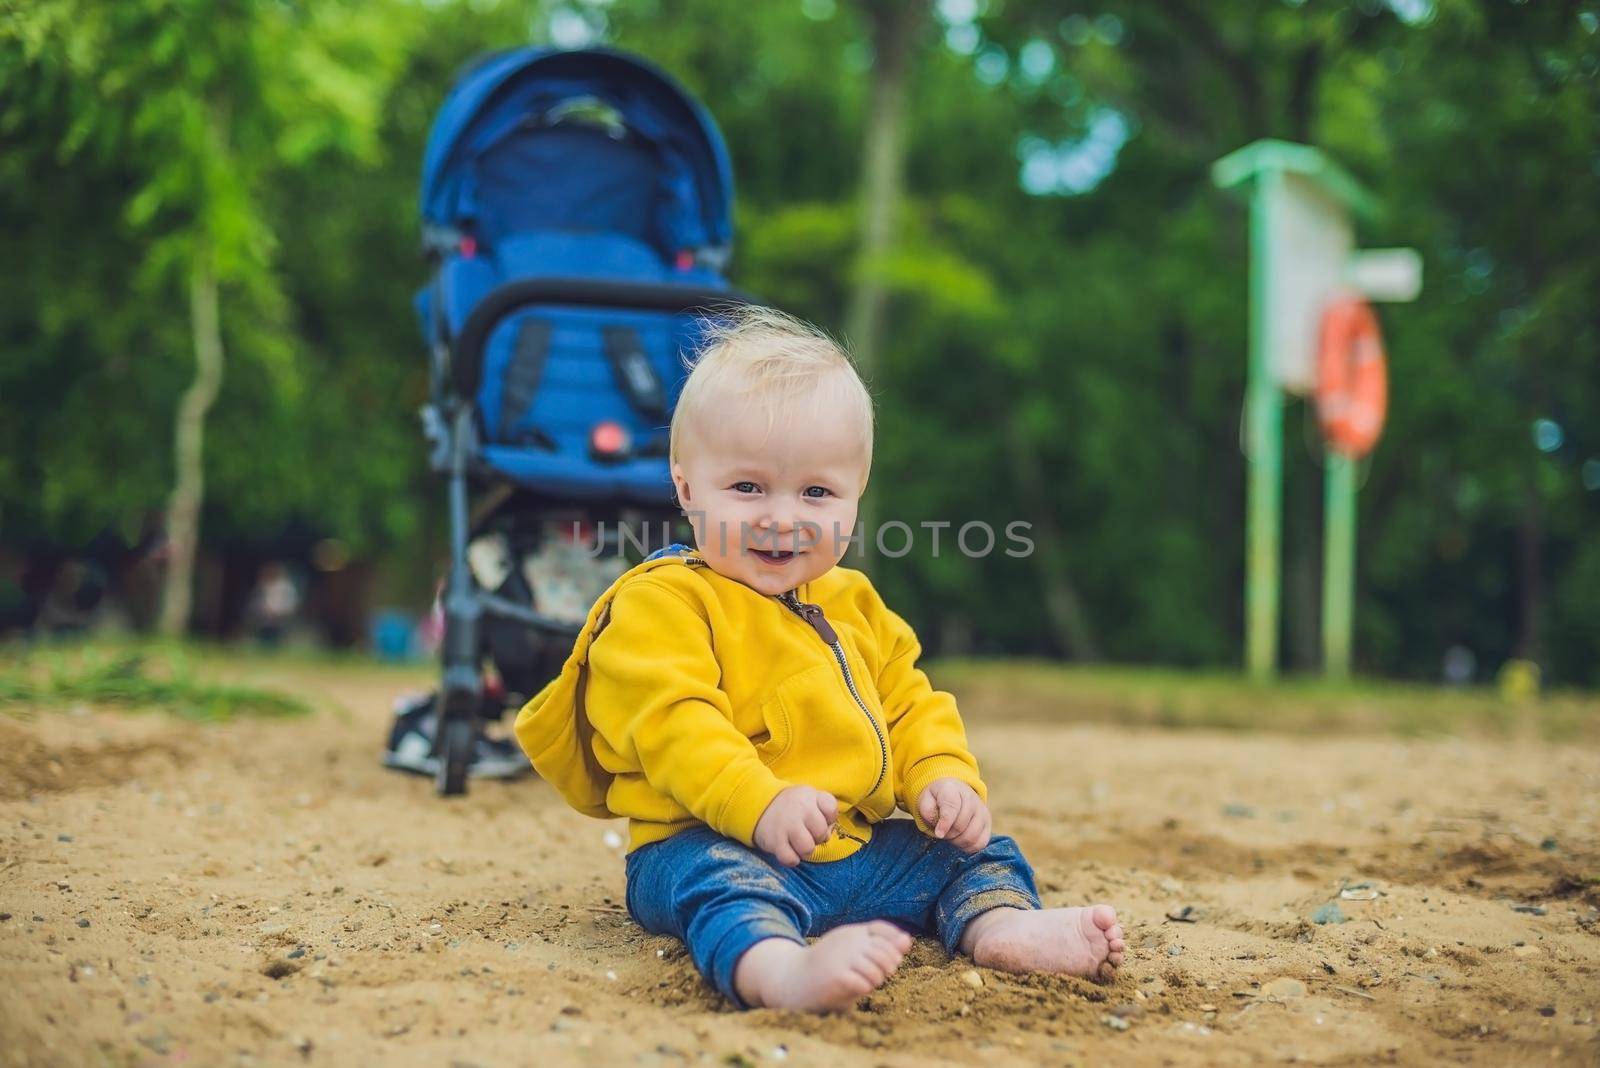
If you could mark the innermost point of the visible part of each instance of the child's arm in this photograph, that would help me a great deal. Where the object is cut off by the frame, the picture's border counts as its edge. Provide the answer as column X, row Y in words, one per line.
column 926, row 736
column 653, row 697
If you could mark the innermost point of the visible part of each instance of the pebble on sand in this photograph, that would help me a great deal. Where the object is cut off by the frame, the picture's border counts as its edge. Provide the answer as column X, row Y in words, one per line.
column 1360, row 892
column 1283, row 987
column 972, row 978
column 1329, row 913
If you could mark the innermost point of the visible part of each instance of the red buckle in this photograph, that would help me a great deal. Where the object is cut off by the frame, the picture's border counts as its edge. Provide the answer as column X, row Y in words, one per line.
column 608, row 439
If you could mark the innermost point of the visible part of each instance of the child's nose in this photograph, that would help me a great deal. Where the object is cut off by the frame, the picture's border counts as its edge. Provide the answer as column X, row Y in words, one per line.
column 777, row 517
column 794, row 531
column 778, row 526
column 776, row 531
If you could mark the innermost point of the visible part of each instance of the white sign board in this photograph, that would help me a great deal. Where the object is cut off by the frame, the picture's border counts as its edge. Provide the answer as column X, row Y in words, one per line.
column 1393, row 274
column 1308, row 245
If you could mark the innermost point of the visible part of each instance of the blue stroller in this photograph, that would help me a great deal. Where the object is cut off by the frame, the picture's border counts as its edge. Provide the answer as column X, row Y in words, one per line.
column 576, row 210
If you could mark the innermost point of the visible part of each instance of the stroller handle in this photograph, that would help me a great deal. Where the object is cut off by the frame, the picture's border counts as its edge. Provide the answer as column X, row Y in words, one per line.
column 467, row 365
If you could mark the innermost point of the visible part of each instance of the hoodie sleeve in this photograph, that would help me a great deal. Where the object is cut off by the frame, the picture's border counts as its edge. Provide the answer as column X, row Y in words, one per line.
column 925, row 731
column 654, row 697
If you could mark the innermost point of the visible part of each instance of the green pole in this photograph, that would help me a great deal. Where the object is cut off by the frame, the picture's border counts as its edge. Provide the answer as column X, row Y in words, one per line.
column 1264, row 450
column 1338, row 563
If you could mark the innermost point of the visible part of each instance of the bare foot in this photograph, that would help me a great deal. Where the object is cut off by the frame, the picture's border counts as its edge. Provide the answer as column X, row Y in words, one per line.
column 826, row 976
column 1085, row 942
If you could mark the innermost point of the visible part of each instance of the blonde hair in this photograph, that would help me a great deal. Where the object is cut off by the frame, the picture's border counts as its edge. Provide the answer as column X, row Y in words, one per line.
column 772, row 360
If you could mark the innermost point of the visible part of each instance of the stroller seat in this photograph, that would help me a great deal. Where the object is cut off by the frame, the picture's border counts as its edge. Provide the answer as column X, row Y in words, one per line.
column 549, row 376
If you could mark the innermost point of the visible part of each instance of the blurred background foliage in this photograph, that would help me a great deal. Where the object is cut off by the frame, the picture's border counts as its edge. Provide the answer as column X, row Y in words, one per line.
column 1065, row 336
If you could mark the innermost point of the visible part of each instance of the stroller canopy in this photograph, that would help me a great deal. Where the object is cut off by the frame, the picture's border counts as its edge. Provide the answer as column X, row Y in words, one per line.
column 661, row 175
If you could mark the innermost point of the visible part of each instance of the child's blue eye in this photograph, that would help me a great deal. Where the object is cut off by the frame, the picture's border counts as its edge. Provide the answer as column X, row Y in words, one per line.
column 744, row 487
column 822, row 491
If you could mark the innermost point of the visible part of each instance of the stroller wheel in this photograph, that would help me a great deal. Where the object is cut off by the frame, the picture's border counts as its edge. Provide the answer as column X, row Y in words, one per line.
column 455, row 755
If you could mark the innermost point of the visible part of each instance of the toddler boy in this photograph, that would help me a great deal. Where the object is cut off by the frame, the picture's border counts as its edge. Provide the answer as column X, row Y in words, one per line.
column 757, row 713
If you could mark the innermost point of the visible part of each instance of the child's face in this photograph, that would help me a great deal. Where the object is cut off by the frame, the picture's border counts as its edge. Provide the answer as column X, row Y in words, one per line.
column 794, row 489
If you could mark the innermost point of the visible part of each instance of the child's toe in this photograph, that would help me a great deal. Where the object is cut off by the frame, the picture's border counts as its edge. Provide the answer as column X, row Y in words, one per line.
column 885, row 956
column 1104, row 916
column 857, row 982
column 870, row 972
column 891, row 934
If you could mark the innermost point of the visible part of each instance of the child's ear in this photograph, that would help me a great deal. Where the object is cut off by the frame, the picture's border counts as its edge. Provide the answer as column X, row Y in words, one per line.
column 681, row 484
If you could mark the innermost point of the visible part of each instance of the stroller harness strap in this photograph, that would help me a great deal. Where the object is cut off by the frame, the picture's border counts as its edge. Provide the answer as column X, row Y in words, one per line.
column 631, row 368
column 522, row 377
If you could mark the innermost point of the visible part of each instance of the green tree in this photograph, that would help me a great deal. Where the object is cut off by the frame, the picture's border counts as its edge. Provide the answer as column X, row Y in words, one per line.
column 1063, row 306
column 199, row 106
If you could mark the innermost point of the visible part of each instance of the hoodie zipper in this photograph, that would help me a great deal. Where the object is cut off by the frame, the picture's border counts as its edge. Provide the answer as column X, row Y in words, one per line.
column 812, row 614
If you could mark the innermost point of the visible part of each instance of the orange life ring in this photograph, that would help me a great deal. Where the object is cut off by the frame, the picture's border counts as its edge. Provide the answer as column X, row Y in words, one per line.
column 1352, row 377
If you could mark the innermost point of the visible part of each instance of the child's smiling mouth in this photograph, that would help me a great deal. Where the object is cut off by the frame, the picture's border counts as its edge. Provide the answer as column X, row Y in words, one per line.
column 776, row 557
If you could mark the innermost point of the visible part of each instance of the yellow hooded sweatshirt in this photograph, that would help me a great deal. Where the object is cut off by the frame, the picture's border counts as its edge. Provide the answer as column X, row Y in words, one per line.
column 691, row 698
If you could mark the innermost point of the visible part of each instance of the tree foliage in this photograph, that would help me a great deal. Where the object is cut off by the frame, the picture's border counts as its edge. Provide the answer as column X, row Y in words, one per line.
column 1064, row 339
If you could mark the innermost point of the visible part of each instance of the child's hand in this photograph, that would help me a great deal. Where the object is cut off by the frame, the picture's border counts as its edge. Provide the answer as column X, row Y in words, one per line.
column 956, row 813
column 797, row 821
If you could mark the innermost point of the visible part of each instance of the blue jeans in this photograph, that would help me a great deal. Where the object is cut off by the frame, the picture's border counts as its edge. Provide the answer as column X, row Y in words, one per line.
column 721, row 898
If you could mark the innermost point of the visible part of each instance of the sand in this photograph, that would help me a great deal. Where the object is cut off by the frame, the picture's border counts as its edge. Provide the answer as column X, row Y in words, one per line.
column 262, row 892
